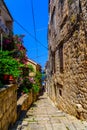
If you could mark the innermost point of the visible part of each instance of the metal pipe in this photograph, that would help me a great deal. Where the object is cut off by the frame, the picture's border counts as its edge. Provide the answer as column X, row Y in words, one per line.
column 1, row 41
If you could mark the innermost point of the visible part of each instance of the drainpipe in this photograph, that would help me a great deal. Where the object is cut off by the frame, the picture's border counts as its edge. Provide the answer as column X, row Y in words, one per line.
column 1, row 41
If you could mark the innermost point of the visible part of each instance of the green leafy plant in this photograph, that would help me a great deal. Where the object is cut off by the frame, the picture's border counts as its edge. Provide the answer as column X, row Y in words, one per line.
column 38, row 77
column 27, row 83
column 9, row 65
column 1, row 84
column 35, row 88
column 31, row 69
column 26, row 69
column 25, row 90
column 37, row 84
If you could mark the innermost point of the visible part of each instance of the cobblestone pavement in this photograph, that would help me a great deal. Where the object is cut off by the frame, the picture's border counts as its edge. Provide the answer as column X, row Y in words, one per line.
column 43, row 115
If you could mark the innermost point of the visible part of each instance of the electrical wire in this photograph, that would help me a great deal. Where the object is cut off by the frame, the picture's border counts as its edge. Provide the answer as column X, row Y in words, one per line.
column 41, row 29
column 40, row 56
column 34, row 26
column 28, row 32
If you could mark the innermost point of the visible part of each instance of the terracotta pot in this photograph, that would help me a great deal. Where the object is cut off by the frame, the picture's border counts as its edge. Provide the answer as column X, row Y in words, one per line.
column 11, row 77
column 6, row 77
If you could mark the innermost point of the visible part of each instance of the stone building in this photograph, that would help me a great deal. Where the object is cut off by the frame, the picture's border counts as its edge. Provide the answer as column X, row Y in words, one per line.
column 67, row 75
column 6, row 23
column 6, row 20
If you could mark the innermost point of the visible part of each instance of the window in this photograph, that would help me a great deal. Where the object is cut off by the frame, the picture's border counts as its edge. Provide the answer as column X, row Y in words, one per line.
column 60, row 92
column 52, row 62
column 60, row 89
column 61, row 58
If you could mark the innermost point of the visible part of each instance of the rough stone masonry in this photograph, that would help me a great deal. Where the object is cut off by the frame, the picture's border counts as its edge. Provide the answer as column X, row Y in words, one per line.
column 67, row 70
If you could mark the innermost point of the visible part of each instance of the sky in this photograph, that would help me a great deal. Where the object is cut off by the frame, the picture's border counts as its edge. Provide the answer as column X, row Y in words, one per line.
column 28, row 13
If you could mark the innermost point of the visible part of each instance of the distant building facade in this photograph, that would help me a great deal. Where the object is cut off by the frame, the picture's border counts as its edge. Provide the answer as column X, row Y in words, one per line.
column 35, row 66
column 67, row 68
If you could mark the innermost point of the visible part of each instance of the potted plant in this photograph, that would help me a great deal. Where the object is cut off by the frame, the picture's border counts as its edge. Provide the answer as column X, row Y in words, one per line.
column 9, row 67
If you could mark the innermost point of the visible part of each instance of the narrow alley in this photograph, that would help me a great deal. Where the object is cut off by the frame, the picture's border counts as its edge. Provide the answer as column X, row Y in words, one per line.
column 43, row 62
column 43, row 115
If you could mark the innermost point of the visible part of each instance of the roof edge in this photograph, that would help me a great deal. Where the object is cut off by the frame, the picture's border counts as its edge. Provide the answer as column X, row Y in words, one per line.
column 33, row 62
column 7, row 10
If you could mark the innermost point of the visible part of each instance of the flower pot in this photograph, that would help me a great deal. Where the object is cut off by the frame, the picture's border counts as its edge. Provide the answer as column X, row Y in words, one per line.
column 6, row 76
column 6, row 79
column 11, row 79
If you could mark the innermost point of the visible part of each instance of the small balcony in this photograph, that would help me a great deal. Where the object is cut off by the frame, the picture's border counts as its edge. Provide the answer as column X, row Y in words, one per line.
column 3, row 26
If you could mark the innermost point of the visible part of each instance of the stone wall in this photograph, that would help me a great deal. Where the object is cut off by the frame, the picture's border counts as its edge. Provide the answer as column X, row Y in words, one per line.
column 67, row 85
column 8, row 106
column 25, row 101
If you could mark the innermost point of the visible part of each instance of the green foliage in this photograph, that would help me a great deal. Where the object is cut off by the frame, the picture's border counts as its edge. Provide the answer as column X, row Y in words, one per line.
column 25, row 90
column 31, row 69
column 27, row 69
column 38, row 75
column 36, row 88
column 27, row 83
column 36, row 85
column 1, row 85
column 9, row 65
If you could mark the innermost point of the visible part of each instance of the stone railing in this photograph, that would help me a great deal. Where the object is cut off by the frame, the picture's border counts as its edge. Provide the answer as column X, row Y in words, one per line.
column 8, row 106
column 25, row 101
